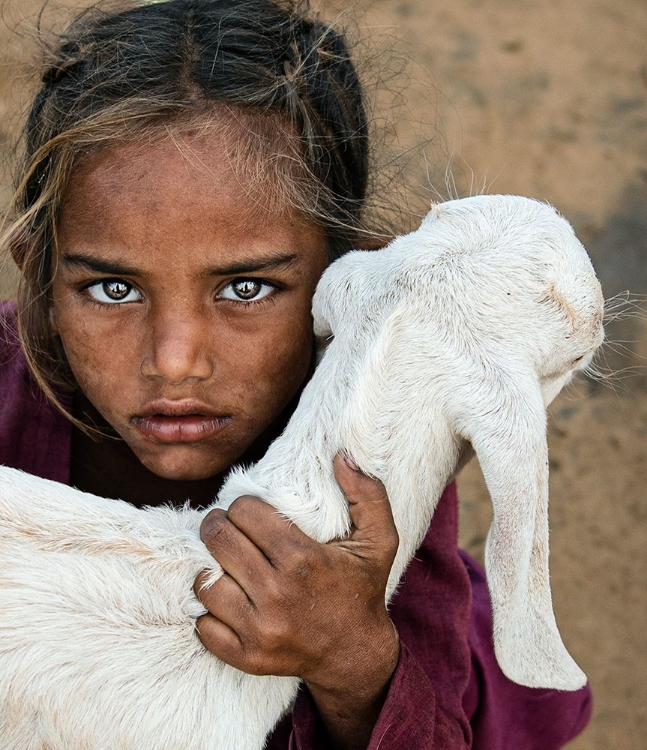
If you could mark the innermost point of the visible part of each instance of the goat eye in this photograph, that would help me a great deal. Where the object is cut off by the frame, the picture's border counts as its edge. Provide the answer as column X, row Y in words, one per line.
column 113, row 291
column 246, row 290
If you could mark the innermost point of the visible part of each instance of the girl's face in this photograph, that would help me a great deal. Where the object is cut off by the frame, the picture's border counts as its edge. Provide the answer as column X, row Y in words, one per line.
column 182, row 304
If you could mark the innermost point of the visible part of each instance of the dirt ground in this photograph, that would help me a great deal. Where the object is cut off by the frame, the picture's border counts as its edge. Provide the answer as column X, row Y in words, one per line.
column 547, row 99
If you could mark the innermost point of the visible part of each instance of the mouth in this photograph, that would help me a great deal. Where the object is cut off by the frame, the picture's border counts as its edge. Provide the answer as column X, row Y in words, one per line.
column 179, row 422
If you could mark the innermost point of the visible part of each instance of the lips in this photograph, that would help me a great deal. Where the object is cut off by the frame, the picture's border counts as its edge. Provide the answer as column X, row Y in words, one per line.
column 179, row 422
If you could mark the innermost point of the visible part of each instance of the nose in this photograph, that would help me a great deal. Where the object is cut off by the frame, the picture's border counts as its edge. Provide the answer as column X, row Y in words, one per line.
column 178, row 348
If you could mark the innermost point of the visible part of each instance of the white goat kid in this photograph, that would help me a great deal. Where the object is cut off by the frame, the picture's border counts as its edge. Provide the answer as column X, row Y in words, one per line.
column 460, row 332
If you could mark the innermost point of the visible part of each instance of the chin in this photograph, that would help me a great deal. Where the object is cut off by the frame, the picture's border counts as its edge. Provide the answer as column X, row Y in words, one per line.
column 181, row 467
column 182, row 474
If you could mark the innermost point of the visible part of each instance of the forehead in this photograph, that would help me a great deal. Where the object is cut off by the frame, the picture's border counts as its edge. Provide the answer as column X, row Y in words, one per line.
column 177, row 168
column 184, row 188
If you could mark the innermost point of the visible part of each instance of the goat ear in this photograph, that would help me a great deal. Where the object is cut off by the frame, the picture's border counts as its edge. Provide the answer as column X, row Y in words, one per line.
column 321, row 315
column 322, row 326
column 509, row 438
column 340, row 293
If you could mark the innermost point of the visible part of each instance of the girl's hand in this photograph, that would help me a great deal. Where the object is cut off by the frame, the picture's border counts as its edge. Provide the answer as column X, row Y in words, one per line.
column 288, row 605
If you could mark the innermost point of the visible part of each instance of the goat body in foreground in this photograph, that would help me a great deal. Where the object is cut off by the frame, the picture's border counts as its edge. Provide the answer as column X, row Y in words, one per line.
column 462, row 331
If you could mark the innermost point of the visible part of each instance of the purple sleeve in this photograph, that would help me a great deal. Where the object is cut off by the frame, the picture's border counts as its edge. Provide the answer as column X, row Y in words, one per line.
column 410, row 718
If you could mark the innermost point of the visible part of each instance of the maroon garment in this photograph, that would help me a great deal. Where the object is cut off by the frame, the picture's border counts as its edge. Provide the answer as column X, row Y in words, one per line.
column 447, row 691
column 34, row 436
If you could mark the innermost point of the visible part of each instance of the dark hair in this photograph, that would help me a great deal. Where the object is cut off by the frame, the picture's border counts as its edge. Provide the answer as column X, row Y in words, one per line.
column 285, row 75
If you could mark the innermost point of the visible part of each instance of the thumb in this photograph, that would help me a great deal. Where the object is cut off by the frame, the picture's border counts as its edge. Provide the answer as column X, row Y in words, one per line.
column 368, row 503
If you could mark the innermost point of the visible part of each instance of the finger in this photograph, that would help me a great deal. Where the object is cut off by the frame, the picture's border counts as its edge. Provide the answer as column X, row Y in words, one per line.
column 218, row 638
column 275, row 535
column 236, row 553
column 368, row 503
column 225, row 600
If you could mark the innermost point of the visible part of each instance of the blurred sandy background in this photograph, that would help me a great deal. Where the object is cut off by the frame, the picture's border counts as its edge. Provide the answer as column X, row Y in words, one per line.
column 546, row 99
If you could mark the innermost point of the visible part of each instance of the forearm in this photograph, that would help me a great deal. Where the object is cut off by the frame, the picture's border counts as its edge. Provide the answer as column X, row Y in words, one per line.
column 350, row 711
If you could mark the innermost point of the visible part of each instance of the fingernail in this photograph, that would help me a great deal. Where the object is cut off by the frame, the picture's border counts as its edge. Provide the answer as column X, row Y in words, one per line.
column 349, row 461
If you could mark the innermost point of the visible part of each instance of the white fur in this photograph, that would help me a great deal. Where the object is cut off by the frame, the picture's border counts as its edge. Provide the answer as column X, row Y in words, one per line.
column 461, row 331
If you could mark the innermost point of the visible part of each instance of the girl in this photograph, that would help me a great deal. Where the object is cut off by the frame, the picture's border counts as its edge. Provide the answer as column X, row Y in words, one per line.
column 191, row 168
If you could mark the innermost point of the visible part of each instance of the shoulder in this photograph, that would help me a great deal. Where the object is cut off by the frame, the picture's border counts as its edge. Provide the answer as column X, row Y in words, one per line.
column 34, row 436
column 9, row 344
column 13, row 367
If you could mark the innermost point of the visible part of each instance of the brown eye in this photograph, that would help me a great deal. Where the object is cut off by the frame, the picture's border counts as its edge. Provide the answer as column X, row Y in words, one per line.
column 113, row 291
column 116, row 290
column 247, row 290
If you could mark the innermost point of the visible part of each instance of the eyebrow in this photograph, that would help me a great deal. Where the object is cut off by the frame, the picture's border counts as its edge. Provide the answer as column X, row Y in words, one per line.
column 251, row 265
column 267, row 263
column 98, row 264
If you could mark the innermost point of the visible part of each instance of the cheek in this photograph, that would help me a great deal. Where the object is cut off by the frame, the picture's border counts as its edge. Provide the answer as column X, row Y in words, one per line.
column 100, row 354
column 285, row 360
column 271, row 365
